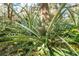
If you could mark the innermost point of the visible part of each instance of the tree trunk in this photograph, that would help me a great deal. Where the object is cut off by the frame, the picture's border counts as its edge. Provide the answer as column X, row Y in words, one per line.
column 44, row 18
column 44, row 13
column 10, row 11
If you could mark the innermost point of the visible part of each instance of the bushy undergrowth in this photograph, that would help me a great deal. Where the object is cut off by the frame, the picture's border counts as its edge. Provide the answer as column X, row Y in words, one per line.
column 24, row 38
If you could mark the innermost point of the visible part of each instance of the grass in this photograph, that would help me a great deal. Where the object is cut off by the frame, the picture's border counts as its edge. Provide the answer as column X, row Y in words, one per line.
column 22, row 37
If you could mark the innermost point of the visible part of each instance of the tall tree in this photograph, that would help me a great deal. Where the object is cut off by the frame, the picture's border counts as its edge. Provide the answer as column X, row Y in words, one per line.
column 44, row 17
column 10, row 11
column 44, row 12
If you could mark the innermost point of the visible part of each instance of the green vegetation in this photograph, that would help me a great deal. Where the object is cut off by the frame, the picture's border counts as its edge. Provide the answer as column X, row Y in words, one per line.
column 22, row 33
